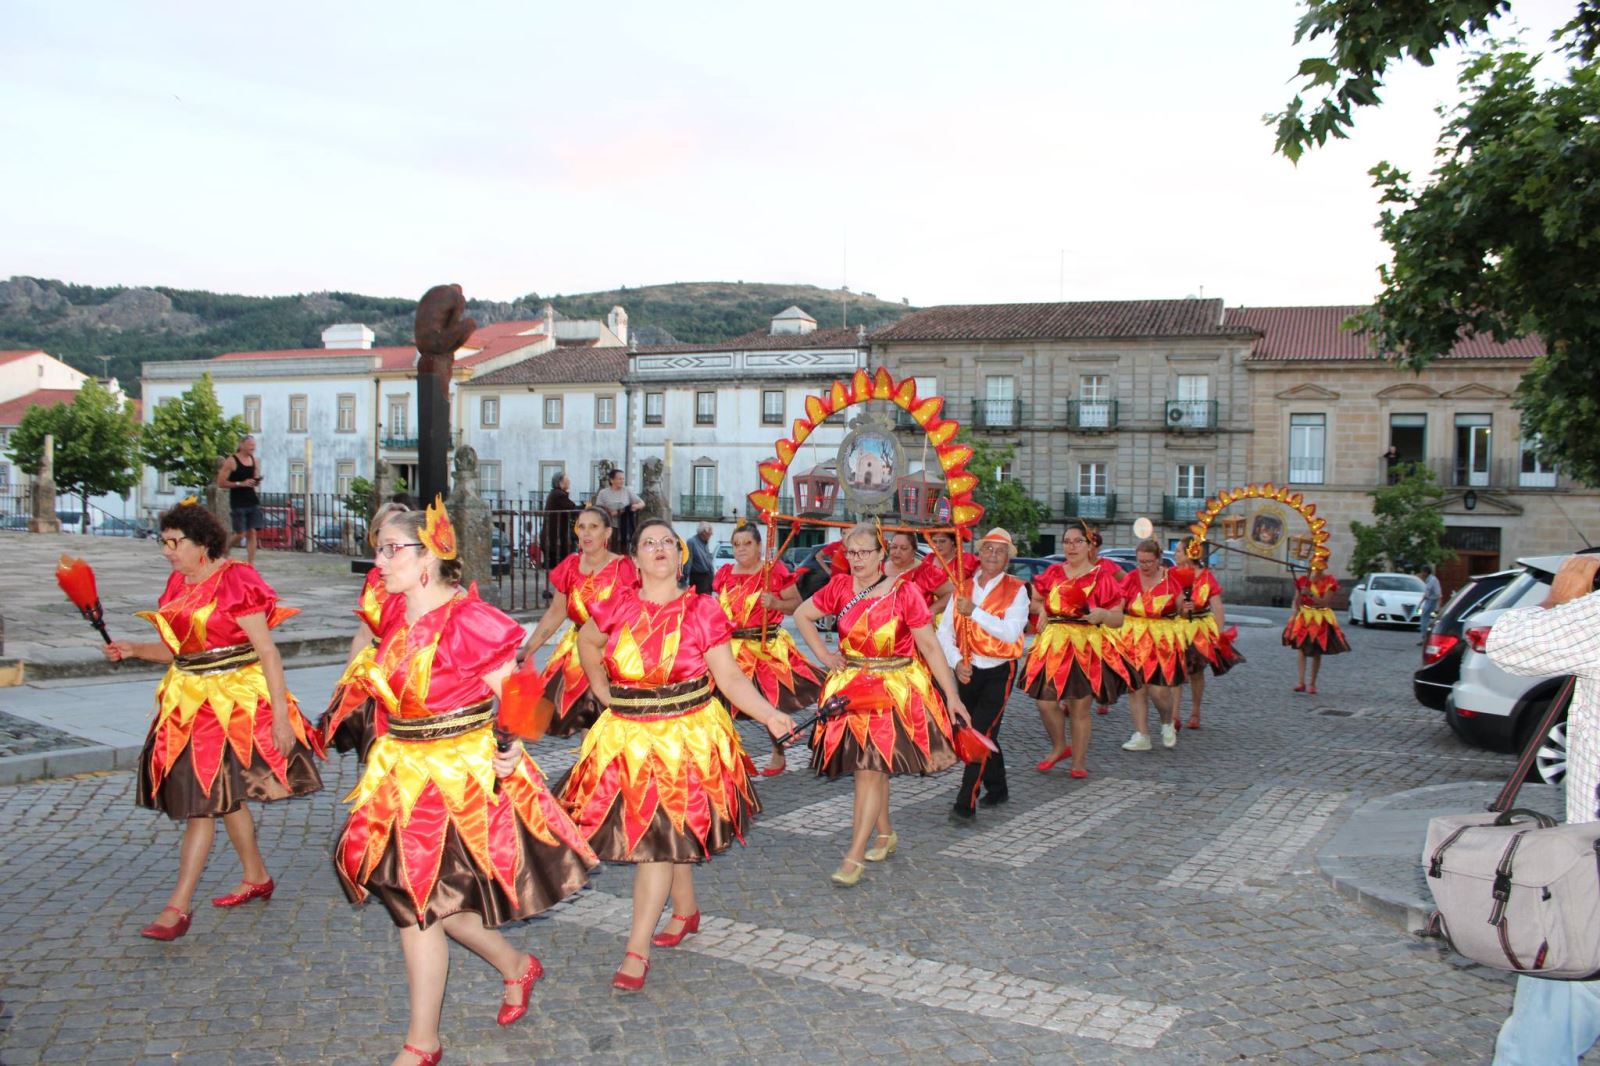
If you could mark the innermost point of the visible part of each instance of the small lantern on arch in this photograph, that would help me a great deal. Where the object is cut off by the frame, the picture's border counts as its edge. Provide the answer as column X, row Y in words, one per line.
column 817, row 492
column 917, row 494
column 1233, row 527
column 1300, row 546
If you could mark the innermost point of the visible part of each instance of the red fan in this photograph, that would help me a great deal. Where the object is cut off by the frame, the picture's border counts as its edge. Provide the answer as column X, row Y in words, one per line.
column 523, row 714
column 77, row 580
column 1184, row 576
column 972, row 746
column 1074, row 603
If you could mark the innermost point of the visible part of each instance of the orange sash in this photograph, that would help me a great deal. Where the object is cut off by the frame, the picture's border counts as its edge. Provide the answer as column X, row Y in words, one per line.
column 972, row 638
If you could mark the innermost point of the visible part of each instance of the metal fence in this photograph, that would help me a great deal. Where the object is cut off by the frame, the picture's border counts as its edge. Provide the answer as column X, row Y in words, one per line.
column 525, row 542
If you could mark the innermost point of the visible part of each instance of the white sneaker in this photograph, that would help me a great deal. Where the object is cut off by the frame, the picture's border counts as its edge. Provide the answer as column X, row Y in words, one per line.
column 1137, row 742
column 1169, row 737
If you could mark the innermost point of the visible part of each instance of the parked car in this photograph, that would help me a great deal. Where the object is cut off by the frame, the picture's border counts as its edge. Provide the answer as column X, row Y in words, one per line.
column 1491, row 708
column 125, row 527
column 1027, row 567
column 285, row 530
column 499, row 553
column 796, row 557
column 1385, row 599
column 1446, row 643
column 723, row 554
column 348, row 535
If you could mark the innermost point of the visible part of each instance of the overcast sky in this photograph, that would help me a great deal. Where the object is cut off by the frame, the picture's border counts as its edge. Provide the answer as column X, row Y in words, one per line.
column 960, row 152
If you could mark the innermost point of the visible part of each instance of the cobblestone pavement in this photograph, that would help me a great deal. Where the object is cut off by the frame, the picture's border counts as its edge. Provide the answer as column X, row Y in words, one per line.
column 1164, row 910
column 18, row 736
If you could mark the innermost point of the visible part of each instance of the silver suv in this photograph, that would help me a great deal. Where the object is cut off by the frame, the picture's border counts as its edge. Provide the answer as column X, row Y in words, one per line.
column 1490, row 708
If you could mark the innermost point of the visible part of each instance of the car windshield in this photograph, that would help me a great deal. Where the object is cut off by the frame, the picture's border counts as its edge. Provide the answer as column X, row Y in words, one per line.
column 1513, row 595
column 1396, row 583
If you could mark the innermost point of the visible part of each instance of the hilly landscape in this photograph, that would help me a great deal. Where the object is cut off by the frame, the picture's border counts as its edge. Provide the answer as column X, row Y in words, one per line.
column 117, row 330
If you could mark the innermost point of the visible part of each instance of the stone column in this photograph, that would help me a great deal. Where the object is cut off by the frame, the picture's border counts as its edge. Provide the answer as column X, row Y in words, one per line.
column 44, row 518
column 470, row 515
column 216, row 497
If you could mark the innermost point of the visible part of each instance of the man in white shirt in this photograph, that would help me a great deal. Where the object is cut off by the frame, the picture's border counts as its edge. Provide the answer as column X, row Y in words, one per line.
column 981, row 633
column 1557, row 1021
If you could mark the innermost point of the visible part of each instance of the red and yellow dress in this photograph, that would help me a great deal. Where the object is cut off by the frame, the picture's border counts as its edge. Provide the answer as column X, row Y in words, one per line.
column 1070, row 658
column 1206, row 643
column 565, row 687
column 210, row 747
column 785, row 677
column 1314, row 630
column 896, row 722
column 429, row 833
column 1152, row 634
column 353, row 719
column 661, row 776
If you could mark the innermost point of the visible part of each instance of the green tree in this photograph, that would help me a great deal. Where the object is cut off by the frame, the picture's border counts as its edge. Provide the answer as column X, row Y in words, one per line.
column 1005, row 502
column 362, row 499
column 1408, row 527
column 1501, row 239
column 188, row 435
column 96, row 444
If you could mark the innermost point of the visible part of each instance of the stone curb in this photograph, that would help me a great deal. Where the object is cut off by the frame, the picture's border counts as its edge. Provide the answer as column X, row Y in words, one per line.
column 320, row 643
column 65, row 762
column 1398, row 908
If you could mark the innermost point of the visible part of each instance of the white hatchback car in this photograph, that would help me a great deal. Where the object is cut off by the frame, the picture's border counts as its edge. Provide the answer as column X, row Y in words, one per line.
column 1387, row 599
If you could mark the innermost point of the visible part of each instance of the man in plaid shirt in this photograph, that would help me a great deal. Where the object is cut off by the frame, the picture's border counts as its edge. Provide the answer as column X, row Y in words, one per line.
column 1557, row 1021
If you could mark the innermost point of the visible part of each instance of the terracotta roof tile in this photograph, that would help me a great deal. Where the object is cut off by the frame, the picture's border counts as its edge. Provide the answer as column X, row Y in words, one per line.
column 1317, row 334
column 564, row 365
column 1062, row 321
column 11, row 411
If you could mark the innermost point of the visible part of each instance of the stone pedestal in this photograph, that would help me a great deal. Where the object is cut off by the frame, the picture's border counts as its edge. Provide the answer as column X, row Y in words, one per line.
column 474, row 524
column 215, row 497
column 43, row 492
column 654, row 491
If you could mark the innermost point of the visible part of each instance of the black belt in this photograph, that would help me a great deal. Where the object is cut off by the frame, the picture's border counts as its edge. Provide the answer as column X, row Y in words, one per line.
column 217, row 660
column 664, row 701
column 456, row 723
column 753, row 632
column 1066, row 620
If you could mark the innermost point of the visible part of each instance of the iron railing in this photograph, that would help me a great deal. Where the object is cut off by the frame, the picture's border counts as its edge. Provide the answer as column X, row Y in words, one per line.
column 699, row 507
column 997, row 414
column 405, row 444
column 1181, row 508
column 1091, row 416
column 1101, row 508
column 1183, row 415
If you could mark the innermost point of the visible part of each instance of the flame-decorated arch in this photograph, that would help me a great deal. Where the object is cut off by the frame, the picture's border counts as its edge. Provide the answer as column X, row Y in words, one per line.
column 1319, row 553
column 927, row 412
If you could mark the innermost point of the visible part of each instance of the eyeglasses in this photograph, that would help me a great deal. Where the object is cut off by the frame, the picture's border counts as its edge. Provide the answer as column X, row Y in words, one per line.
column 171, row 543
column 860, row 553
column 388, row 550
column 653, row 543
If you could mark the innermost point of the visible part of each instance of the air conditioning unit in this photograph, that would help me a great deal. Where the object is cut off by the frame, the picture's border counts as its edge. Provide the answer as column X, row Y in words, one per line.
column 1177, row 413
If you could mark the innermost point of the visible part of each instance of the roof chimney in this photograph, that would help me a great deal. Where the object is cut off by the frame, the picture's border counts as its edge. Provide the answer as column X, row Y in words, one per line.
column 792, row 320
column 348, row 335
column 617, row 321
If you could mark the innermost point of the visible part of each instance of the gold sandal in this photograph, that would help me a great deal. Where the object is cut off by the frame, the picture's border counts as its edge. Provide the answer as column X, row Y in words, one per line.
column 848, row 880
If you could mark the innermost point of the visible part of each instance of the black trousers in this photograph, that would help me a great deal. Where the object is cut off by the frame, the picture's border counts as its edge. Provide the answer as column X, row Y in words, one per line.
column 985, row 697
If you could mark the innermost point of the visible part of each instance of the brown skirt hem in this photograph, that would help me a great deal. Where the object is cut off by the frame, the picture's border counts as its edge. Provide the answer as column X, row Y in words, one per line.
column 907, row 758
column 663, row 842
column 179, row 796
column 1043, row 687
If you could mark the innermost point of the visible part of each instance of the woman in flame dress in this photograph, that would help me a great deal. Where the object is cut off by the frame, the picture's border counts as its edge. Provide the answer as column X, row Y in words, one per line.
column 453, row 838
column 1208, row 639
column 895, row 722
column 661, row 780
column 1152, row 641
column 590, row 575
column 750, row 595
column 1312, row 630
column 226, row 728
column 1075, row 660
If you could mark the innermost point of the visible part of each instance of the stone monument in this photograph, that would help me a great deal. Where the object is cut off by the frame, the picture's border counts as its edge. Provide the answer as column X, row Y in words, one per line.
column 44, row 518
column 441, row 328
column 653, row 491
column 474, row 525
column 216, row 497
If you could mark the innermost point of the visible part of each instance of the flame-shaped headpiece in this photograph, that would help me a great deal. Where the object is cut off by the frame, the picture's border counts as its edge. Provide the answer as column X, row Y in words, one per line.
column 437, row 532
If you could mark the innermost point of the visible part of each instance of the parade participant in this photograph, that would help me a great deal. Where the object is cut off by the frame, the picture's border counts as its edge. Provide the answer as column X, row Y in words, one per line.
column 1074, row 659
column 453, row 838
column 1207, row 640
column 661, row 780
column 902, row 562
column 750, row 595
column 1115, row 572
column 351, row 721
column 982, row 640
column 1312, row 630
column 941, row 572
column 895, row 722
column 226, row 728
column 590, row 575
column 1152, row 643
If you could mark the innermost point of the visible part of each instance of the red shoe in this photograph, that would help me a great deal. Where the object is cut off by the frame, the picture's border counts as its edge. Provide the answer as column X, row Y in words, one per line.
column 511, row 1012
column 156, row 931
column 1311, row 690
column 772, row 771
column 1047, row 764
column 263, row 892
column 691, row 924
column 1300, row 687
column 622, row 981
column 425, row 1058
column 1194, row 723
column 1080, row 773
column 1177, row 725
column 1102, row 709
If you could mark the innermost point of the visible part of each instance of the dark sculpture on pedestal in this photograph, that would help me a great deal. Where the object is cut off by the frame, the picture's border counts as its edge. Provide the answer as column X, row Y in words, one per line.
column 441, row 329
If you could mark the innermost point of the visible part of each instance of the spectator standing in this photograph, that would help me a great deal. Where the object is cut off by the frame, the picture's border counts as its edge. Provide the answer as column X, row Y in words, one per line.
column 1391, row 465
column 622, row 505
column 1555, row 1022
column 556, row 536
column 241, row 477
column 1431, row 594
column 701, row 565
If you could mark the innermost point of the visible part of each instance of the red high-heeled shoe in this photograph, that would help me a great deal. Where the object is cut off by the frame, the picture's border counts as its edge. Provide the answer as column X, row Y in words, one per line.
column 1080, row 773
column 156, row 931
column 691, row 924
column 622, row 981
column 510, row 1012
column 1048, row 764
column 263, row 892
column 425, row 1058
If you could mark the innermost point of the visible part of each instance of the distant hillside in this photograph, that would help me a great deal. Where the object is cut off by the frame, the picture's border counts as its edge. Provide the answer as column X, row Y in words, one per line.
column 119, row 329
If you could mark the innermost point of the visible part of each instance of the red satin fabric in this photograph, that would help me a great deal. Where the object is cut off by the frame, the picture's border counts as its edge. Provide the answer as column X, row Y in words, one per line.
column 906, row 603
column 698, row 620
column 236, row 589
column 584, row 590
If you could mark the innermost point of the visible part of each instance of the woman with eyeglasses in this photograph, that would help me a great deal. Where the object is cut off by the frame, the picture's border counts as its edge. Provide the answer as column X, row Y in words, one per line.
column 661, row 781
column 1152, row 639
column 1074, row 661
column 226, row 728
column 1208, row 641
column 757, row 597
column 452, row 836
column 590, row 575
column 895, row 722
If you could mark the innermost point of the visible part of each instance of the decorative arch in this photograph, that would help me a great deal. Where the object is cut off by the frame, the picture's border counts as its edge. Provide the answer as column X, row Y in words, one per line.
column 1318, row 532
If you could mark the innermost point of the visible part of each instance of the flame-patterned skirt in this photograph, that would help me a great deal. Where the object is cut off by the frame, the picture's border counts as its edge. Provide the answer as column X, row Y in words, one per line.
column 430, row 835
column 1154, row 649
column 210, row 747
column 1072, row 660
column 353, row 721
column 1315, row 631
column 1210, row 646
column 566, row 689
column 784, row 676
column 896, row 722
column 661, row 777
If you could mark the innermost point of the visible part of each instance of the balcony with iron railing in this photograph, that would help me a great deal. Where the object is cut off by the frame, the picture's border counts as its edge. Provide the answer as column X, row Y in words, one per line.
column 1181, row 509
column 699, row 506
column 1190, row 416
column 1095, row 508
column 998, row 414
column 1091, row 416
column 1495, row 475
column 401, row 444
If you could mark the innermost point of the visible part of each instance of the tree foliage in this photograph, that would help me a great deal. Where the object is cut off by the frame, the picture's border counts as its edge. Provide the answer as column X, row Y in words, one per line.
column 187, row 436
column 95, row 443
column 1408, row 527
column 1005, row 502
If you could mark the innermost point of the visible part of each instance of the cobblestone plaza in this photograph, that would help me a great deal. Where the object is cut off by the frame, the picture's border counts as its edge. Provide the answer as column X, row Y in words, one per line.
column 1166, row 909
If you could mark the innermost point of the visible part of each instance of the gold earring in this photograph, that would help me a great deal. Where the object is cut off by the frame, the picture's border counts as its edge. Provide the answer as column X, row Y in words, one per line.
column 683, row 553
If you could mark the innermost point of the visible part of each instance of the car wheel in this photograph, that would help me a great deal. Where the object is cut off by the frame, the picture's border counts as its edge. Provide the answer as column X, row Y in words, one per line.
column 1366, row 616
column 1354, row 621
column 1550, row 761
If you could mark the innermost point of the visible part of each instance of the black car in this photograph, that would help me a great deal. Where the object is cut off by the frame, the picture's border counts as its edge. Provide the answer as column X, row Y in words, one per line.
column 1027, row 567
column 816, row 572
column 1441, row 655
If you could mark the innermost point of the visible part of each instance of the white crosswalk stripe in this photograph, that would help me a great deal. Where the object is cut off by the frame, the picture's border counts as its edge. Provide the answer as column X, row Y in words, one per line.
column 1022, row 840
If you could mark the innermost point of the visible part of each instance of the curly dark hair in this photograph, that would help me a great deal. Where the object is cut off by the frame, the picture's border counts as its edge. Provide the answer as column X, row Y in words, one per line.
column 197, row 525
